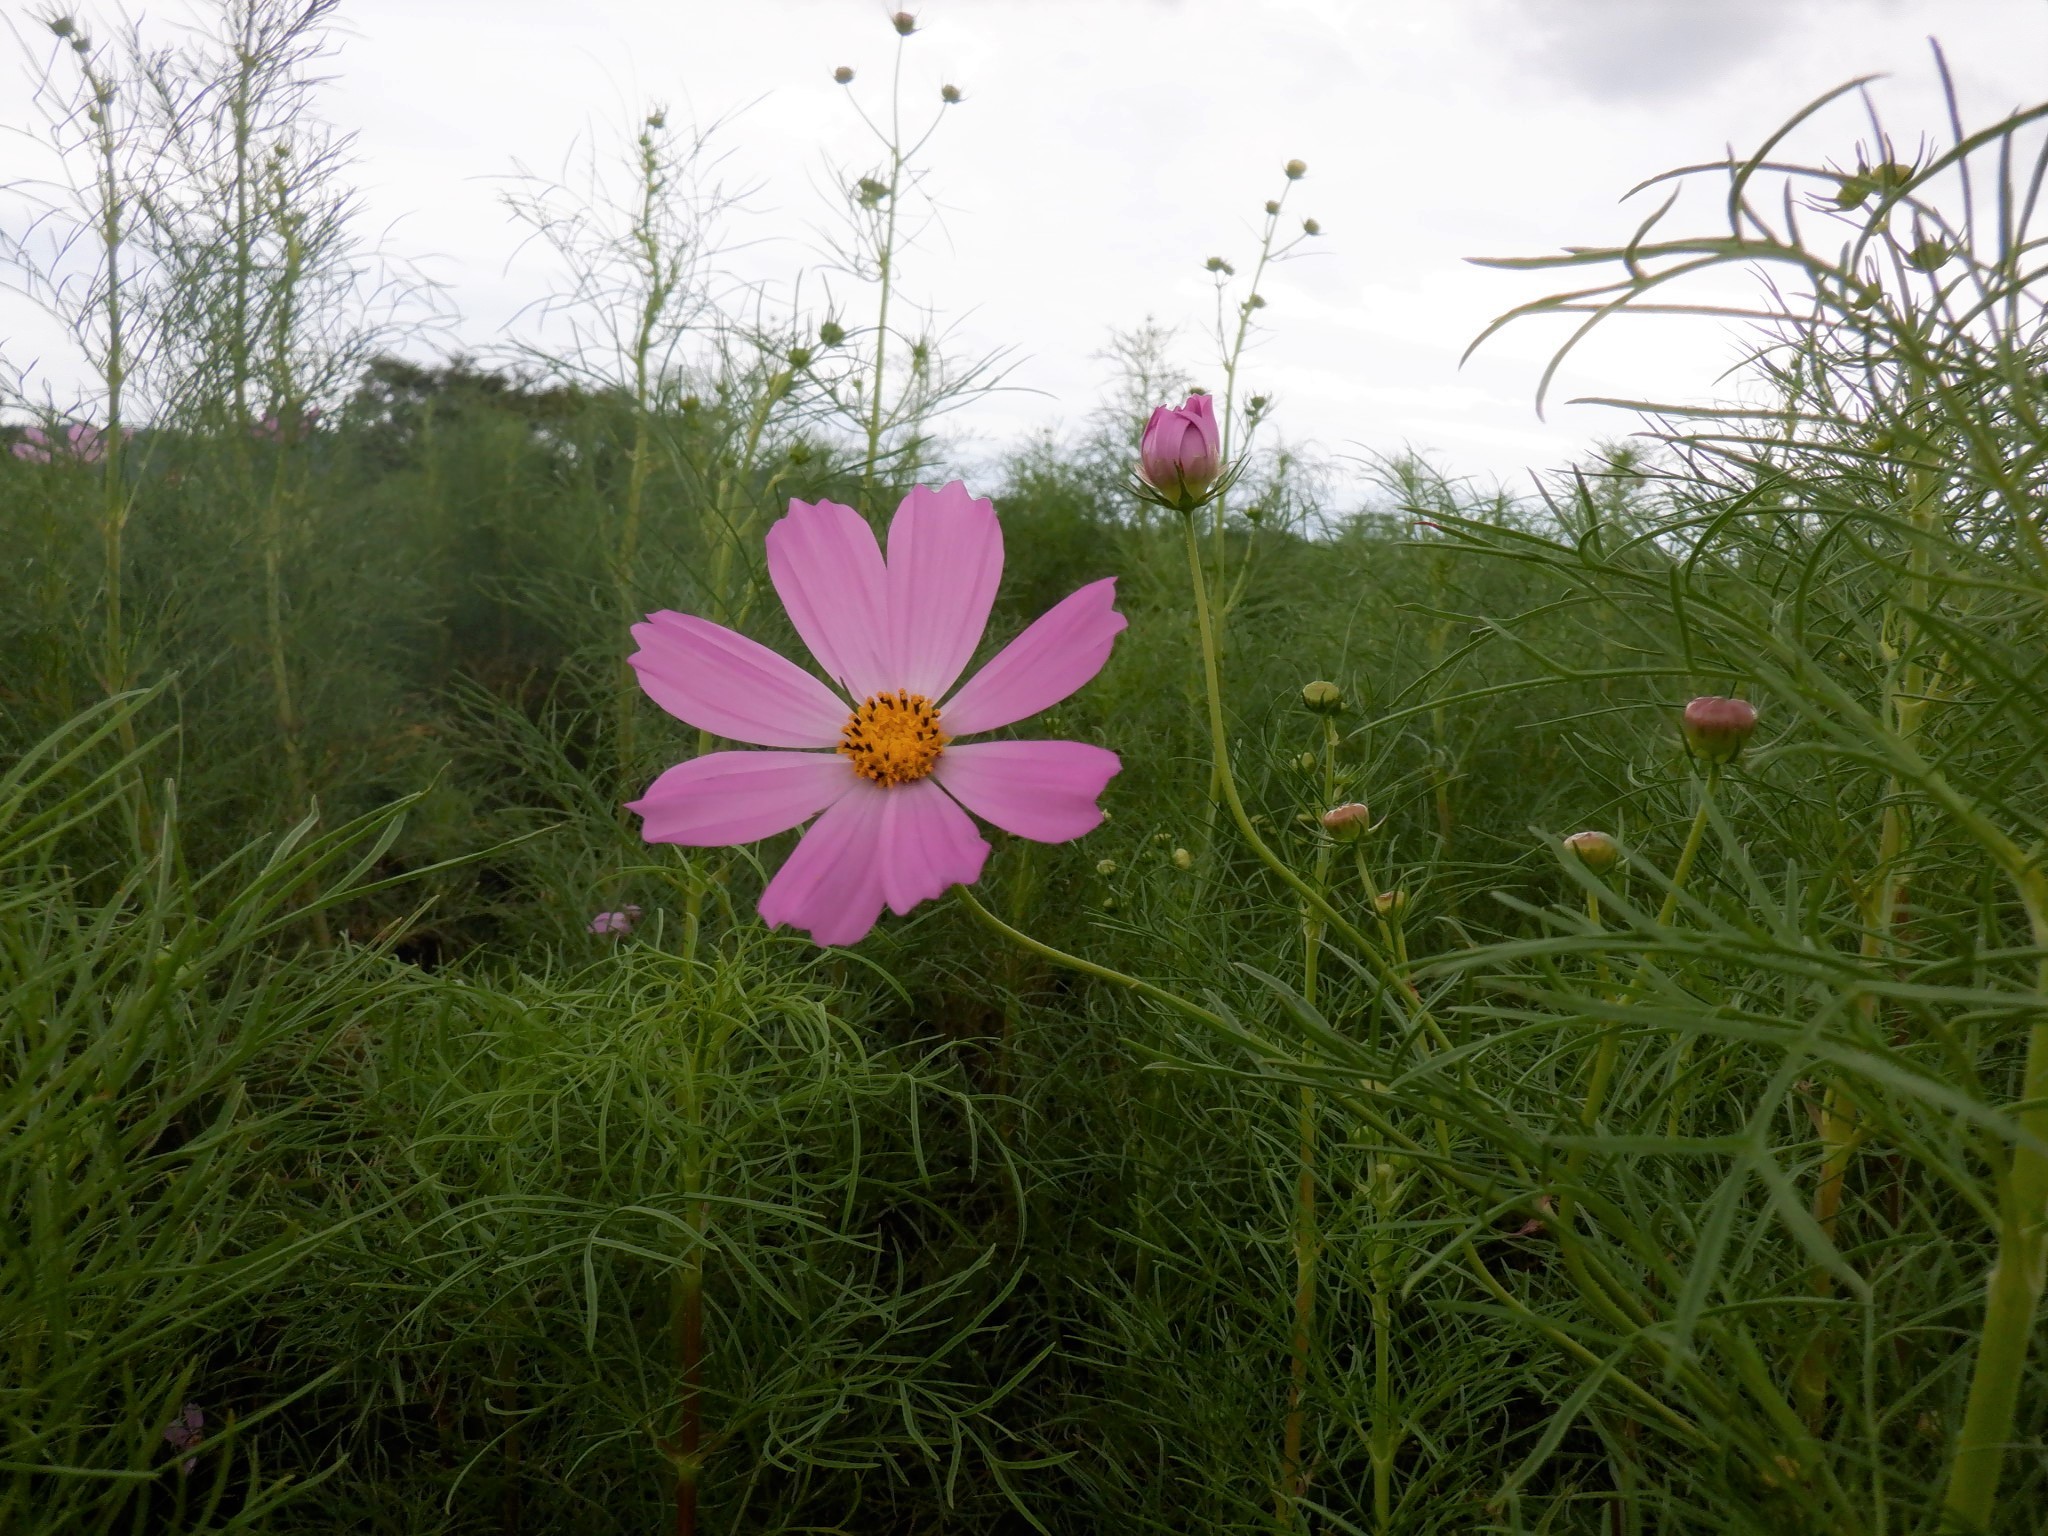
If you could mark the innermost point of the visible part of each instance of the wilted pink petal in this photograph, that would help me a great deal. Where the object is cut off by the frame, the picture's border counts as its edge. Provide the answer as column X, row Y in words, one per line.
column 1043, row 790
column 828, row 571
column 928, row 845
column 831, row 886
column 945, row 561
column 184, row 1431
column 621, row 921
column 1063, row 649
column 709, row 677
column 725, row 798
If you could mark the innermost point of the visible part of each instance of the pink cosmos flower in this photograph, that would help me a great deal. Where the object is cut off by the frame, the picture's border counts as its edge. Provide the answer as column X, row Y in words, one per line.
column 1181, row 453
column 877, row 763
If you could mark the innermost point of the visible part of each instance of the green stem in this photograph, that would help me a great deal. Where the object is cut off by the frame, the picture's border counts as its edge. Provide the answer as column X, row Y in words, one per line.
column 2013, row 1289
column 1142, row 988
column 1681, row 1089
column 1219, row 742
column 885, row 267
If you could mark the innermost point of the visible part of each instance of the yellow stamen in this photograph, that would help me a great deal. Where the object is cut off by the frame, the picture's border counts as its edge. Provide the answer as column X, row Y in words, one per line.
column 893, row 738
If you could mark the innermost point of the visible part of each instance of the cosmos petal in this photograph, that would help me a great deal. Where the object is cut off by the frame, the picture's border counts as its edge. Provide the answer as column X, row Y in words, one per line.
column 928, row 846
column 945, row 562
column 1043, row 790
column 707, row 676
column 1063, row 648
column 724, row 798
column 828, row 571
column 831, row 885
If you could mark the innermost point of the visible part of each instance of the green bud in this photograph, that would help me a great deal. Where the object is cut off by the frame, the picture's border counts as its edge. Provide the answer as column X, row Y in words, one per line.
column 1296, row 169
column 1596, row 850
column 1322, row 698
column 1182, row 859
column 1929, row 256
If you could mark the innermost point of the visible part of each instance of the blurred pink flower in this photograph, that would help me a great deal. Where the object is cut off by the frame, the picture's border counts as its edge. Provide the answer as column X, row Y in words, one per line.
column 618, row 922
column 1181, row 453
column 81, row 441
column 184, row 1433
column 889, row 787
column 272, row 428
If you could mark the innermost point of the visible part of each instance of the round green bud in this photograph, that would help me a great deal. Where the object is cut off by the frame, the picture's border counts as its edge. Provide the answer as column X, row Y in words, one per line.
column 1596, row 850
column 1322, row 698
column 1929, row 256
column 1296, row 169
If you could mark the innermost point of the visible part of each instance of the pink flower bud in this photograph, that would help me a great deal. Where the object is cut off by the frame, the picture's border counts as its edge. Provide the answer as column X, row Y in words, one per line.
column 1717, row 729
column 1347, row 823
column 1181, row 452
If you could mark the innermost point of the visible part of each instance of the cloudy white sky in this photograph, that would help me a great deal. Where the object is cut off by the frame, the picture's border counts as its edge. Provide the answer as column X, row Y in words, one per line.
column 1106, row 147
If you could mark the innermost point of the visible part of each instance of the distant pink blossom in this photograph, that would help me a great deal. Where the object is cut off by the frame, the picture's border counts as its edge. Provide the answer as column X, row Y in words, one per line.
column 618, row 922
column 81, row 442
column 184, row 1433
column 878, row 764
column 1181, row 453
column 273, row 429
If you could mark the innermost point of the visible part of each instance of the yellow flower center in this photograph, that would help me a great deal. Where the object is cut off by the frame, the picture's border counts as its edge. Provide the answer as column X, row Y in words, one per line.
column 893, row 738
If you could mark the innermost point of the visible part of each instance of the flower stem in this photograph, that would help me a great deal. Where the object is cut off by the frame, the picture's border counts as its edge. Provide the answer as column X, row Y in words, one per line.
column 2013, row 1289
column 1135, row 984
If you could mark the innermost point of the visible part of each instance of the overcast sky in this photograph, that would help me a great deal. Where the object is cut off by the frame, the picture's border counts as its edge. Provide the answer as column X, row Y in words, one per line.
column 1104, row 148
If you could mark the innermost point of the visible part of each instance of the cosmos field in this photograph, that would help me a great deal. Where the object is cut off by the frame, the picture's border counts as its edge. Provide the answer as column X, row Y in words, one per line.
column 623, row 940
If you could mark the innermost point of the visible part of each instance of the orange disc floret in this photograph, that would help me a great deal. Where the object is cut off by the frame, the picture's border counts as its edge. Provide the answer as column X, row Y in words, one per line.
column 893, row 738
